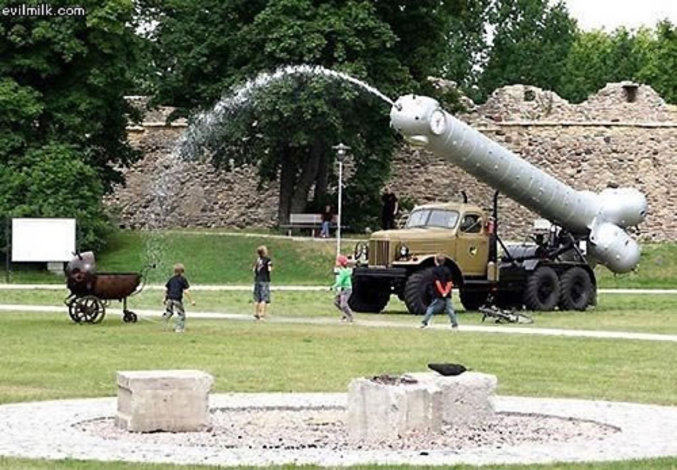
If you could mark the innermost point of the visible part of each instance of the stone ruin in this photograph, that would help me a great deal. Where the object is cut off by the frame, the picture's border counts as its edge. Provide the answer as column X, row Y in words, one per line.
column 622, row 135
column 163, row 400
column 379, row 409
column 384, row 408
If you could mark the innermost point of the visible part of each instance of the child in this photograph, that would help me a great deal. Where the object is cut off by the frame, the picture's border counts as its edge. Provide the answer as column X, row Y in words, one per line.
column 174, row 290
column 262, row 269
column 343, row 286
column 442, row 285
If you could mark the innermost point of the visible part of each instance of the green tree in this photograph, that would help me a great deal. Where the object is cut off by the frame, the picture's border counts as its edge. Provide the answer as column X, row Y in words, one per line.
column 598, row 57
column 661, row 61
column 53, row 181
column 530, row 44
column 467, row 47
column 206, row 47
column 587, row 65
column 62, row 83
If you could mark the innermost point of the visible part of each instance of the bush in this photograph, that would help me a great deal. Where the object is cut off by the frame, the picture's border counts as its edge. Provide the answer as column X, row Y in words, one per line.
column 53, row 181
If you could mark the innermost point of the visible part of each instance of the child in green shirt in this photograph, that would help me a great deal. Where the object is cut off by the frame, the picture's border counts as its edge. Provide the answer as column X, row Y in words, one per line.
column 343, row 286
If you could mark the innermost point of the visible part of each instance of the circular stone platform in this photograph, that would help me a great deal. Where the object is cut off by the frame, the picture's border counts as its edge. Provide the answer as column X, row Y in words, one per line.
column 274, row 429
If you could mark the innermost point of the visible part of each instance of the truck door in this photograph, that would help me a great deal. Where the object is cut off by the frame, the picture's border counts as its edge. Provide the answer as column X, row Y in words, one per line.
column 472, row 247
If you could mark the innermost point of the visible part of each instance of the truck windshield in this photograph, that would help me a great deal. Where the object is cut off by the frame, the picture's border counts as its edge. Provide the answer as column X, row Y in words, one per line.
column 432, row 218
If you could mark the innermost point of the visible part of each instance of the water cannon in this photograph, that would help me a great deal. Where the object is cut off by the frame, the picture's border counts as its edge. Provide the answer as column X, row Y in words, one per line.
column 601, row 218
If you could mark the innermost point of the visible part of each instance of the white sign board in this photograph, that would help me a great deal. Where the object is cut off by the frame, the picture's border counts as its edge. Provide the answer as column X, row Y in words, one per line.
column 40, row 240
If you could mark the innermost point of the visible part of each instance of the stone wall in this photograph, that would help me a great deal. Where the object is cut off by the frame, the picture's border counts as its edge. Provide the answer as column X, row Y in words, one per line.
column 201, row 195
column 624, row 135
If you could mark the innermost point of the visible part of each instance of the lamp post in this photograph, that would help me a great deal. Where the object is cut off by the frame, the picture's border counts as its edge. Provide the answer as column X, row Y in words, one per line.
column 341, row 151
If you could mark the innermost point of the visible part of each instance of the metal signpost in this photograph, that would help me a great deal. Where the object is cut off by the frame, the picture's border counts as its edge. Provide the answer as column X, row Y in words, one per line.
column 341, row 152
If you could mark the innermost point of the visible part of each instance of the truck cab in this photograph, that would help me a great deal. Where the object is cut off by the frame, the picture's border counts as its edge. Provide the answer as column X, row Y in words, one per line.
column 400, row 261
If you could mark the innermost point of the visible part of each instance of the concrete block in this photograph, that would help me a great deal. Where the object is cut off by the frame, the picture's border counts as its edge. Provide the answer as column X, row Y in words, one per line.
column 467, row 398
column 381, row 411
column 163, row 400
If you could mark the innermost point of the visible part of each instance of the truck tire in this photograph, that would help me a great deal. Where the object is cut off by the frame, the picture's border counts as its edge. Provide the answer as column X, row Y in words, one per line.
column 472, row 300
column 542, row 289
column 576, row 289
column 368, row 297
column 417, row 291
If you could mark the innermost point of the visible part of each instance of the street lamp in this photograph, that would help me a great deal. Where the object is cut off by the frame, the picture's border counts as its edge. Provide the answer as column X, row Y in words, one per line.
column 341, row 151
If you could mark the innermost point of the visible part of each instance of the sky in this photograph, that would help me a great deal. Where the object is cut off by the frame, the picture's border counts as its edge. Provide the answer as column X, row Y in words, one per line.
column 610, row 14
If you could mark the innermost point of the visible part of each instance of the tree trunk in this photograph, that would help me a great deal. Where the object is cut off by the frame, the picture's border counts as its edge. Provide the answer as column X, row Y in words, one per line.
column 322, row 179
column 308, row 173
column 287, row 180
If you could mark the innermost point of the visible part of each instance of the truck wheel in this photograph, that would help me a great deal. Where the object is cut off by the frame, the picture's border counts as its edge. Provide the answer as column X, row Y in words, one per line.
column 472, row 300
column 576, row 288
column 542, row 290
column 417, row 291
column 368, row 297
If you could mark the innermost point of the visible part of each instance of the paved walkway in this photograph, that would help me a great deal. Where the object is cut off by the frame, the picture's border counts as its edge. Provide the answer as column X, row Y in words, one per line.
column 248, row 287
column 48, row 430
column 154, row 315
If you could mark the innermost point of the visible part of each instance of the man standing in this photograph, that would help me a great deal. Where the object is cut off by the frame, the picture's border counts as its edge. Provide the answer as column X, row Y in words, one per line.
column 389, row 210
column 442, row 285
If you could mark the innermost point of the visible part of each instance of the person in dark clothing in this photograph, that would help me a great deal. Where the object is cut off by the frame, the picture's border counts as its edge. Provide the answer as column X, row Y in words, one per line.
column 327, row 216
column 389, row 209
column 262, row 268
column 442, row 285
column 175, row 288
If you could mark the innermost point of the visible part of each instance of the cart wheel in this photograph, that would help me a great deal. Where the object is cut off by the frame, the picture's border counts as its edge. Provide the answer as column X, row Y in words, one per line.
column 73, row 311
column 89, row 309
column 129, row 317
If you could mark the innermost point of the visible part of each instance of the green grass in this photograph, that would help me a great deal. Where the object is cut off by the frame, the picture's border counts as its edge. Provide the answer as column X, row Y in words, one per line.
column 657, row 269
column 210, row 258
column 615, row 312
column 46, row 356
column 214, row 258
column 22, row 464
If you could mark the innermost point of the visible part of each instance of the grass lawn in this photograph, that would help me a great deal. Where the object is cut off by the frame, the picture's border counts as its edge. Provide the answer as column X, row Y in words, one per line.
column 47, row 357
column 217, row 258
column 616, row 312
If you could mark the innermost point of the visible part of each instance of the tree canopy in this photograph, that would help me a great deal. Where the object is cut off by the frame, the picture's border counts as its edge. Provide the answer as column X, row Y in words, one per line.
column 204, row 48
column 62, row 129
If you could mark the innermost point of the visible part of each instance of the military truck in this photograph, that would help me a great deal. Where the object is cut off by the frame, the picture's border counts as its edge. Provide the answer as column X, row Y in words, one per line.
column 553, row 270
column 540, row 275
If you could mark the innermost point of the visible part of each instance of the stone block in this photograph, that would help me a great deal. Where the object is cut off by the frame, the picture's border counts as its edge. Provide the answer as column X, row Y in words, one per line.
column 467, row 398
column 163, row 400
column 380, row 412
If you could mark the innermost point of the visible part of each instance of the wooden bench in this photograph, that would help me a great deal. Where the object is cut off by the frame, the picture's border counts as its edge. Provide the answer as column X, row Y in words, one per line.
column 307, row 221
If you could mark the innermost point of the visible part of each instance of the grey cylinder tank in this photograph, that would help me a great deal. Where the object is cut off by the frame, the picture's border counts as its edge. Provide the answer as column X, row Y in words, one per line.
column 601, row 217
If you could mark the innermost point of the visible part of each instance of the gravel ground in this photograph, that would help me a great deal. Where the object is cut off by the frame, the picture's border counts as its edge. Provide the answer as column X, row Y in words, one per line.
column 539, row 432
column 324, row 428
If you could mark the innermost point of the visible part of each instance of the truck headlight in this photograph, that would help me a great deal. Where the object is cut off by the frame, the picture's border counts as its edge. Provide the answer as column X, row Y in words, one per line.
column 361, row 251
column 404, row 251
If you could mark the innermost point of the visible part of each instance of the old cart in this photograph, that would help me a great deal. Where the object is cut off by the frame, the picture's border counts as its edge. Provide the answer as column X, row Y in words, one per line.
column 91, row 292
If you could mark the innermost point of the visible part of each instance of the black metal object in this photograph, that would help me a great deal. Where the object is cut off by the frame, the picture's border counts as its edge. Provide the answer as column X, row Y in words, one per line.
column 447, row 369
